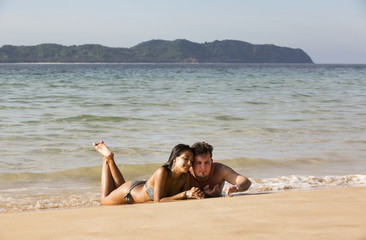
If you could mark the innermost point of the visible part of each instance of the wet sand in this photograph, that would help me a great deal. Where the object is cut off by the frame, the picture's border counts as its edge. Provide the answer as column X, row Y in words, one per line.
column 316, row 214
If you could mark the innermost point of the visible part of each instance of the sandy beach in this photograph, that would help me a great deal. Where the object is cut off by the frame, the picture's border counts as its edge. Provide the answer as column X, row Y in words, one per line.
column 315, row 214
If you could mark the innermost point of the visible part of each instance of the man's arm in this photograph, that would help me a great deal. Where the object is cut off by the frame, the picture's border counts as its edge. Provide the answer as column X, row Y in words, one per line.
column 239, row 182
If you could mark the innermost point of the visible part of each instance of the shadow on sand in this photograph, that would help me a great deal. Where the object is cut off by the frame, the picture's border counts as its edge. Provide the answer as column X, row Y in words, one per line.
column 248, row 194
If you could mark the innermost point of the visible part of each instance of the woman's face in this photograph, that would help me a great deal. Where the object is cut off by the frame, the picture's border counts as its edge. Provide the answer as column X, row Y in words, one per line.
column 184, row 161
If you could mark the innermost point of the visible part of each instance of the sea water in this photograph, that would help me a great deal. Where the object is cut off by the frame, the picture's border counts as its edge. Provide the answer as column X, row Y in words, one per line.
column 295, row 126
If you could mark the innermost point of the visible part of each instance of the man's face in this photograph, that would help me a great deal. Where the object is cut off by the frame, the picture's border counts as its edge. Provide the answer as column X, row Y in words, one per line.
column 202, row 166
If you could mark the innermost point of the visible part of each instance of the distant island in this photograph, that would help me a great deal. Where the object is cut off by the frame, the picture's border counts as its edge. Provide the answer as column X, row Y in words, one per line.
column 156, row 51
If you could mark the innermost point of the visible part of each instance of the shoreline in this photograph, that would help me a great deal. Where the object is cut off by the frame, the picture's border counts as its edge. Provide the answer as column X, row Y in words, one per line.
column 182, row 63
column 164, row 63
column 313, row 214
column 39, row 196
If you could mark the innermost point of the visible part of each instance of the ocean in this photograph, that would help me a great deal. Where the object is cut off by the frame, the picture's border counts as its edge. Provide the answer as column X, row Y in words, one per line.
column 286, row 127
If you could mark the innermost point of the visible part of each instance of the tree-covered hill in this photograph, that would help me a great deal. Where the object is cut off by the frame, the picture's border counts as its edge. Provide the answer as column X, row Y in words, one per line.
column 156, row 51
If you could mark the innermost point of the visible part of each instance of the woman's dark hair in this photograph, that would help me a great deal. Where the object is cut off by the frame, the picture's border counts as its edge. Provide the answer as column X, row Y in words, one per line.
column 176, row 152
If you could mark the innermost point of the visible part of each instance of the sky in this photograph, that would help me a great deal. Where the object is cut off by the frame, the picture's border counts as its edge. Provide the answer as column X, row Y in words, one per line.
column 330, row 31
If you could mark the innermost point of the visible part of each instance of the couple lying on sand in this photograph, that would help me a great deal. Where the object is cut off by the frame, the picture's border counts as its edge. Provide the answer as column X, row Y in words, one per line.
column 189, row 173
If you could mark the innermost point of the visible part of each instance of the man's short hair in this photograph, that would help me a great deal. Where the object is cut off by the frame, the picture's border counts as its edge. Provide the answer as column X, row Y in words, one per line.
column 202, row 148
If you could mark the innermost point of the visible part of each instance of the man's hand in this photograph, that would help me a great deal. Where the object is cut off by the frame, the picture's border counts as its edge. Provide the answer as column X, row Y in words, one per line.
column 214, row 192
column 230, row 189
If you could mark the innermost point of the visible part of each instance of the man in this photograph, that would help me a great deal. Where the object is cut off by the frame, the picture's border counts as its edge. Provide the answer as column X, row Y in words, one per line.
column 210, row 176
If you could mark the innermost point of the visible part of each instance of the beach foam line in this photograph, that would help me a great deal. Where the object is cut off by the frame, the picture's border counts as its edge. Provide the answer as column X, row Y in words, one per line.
column 315, row 214
column 296, row 182
column 44, row 196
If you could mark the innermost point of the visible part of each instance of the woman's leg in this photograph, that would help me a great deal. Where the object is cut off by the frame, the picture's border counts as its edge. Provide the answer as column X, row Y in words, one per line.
column 110, row 193
column 113, row 185
column 107, row 183
column 111, row 178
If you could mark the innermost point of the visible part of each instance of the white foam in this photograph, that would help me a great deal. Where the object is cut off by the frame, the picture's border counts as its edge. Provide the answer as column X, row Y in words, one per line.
column 18, row 201
column 282, row 183
column 28, row 202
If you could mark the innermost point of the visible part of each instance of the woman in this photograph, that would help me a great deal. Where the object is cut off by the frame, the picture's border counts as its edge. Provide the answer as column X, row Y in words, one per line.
column 169, row 182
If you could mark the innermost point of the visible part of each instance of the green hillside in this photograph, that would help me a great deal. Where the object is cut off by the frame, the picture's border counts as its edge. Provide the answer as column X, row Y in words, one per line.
column 156, row 51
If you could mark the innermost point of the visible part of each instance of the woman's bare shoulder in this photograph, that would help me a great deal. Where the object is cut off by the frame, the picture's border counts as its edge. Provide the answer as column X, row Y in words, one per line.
column 161, row 171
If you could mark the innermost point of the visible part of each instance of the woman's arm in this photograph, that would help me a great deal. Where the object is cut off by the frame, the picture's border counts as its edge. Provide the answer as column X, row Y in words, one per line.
column 193, row 193
column 161, row 178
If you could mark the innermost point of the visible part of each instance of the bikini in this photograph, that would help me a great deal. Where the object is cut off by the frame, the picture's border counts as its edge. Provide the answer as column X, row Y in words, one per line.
column 149, row 191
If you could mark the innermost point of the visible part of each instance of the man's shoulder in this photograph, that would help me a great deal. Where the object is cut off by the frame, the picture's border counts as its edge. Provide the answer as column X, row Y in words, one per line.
column 223, row 170
column 219, row 167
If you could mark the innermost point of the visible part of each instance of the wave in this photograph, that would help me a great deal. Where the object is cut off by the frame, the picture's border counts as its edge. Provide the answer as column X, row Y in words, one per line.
column 228, row 118
column 11, row 203
column 130, row 171
column 243, row 162
column 296, row 182
column 94, row 118
column 256, row 103
column 135, row 171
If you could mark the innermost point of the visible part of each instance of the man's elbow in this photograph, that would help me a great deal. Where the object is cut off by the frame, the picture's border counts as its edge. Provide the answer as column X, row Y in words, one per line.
column 246, row 185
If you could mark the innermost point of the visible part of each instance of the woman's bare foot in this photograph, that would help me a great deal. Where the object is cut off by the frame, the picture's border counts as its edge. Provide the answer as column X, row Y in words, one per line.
column 103, row 150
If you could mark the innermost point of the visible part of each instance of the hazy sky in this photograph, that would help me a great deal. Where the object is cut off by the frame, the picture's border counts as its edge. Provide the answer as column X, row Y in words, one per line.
column 330, row 31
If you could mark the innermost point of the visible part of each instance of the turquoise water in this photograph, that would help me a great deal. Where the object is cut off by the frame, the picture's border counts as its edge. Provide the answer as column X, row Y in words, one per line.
column 266, row 121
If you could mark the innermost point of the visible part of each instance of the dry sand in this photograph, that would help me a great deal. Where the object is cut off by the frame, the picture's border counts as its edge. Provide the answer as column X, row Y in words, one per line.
column 316, row 214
